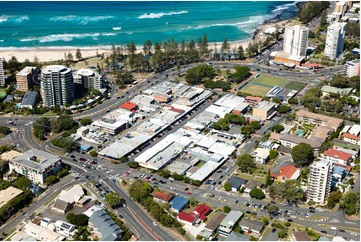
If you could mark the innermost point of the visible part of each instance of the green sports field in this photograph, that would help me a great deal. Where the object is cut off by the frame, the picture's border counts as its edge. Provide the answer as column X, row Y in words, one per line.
column 270, row 81
column 255, row 89
column 298, row 86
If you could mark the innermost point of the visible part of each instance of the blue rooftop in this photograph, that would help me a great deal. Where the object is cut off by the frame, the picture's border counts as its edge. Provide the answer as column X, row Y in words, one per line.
column 179, row 203
column 339, row 170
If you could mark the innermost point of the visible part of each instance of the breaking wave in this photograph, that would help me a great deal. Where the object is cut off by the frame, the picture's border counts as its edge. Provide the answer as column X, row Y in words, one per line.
column 159, row 15
column 64, row 37
column 80, row 19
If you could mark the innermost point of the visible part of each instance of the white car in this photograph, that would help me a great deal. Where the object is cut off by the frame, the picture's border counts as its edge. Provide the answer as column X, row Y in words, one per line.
column 154, row 223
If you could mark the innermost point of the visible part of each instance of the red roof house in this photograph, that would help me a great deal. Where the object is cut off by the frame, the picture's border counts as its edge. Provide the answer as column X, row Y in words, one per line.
column 202, row 210
column 289, row 172
column 337, row 156
column 129, row 106
column 162, row 197
column 350, row 136
column 189, row 218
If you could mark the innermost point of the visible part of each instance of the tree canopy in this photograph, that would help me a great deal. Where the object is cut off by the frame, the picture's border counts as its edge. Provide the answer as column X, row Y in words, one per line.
column 278, row 128
column 310, row 10
column 246, row 163
column 113, row 199
column 257, row 193
column 77, row 219
column 351, row 203
column 196, row 75
column 289, row 191
column 302, row 154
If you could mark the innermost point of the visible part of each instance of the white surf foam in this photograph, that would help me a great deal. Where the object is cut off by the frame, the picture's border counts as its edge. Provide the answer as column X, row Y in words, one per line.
column 80, row 19
column 159, row 15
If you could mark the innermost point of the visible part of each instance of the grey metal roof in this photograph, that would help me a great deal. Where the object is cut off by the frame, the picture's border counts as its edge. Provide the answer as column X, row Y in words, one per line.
column 106, row 226
column 29, row 98
column 233, row 236
column 60, row 204
column 236, row 182
column 232, row 218
column 213, row 224
column 45, row 159
column 252, row 224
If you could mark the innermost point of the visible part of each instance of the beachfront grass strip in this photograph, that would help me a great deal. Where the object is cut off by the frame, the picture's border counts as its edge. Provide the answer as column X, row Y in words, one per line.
column 298, row 86
column 255, row 89
column 270, row 80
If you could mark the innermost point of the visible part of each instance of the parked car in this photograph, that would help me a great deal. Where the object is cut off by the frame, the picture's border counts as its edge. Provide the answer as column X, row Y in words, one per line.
column 324, row 231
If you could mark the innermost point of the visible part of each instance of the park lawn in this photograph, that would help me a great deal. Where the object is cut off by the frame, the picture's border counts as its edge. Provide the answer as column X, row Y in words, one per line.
column 245, row 176
column 255, row 90
column 298, row 86
column 2, row 93
column 50, row 114
column 260, row 179
column 270, row 80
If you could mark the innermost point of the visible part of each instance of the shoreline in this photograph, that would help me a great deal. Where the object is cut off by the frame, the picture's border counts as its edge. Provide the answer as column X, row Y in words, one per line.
column 56, row 53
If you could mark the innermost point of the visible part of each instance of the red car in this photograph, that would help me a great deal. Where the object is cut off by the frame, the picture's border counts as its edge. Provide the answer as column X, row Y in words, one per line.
column 189, row 193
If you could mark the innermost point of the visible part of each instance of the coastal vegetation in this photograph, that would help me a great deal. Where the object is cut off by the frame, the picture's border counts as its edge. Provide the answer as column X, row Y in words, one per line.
column 310, row 10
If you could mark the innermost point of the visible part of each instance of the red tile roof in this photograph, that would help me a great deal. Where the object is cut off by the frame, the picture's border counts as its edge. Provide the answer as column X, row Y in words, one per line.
column 337, row 154
column 202, row 210
column 189, row 217
column 350, row 136
column 251, row 98
column 129, row 106
column 163, row 196
column 286, row 171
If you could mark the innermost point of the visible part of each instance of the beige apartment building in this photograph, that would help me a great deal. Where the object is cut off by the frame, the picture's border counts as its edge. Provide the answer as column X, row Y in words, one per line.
column 27, row 78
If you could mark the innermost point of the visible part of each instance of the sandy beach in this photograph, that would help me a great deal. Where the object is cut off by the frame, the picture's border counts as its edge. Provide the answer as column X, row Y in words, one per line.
column 45, row 54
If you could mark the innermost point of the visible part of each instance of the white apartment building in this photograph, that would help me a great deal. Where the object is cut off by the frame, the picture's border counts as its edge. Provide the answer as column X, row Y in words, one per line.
column 352, row 68
column 335, row 39
column 36, row 165
column 319, row 181
column 2, row 75
column 89, row 79
column 57, row 85
column 295, row 40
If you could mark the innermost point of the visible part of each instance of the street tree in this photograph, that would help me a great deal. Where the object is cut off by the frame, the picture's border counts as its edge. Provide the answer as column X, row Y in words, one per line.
column 113, row 199
column 278, row 128
column 246, row 163
column 227, row 186
column 257, row 193
column 85, row 121
column 334, row 198
column 226, row 209
column 351, row 203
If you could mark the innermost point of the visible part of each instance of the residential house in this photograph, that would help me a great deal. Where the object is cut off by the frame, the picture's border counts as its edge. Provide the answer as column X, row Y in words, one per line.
column 337, row 156
column 236, row 183
column 214, row 223
column 229, row 222
column 40, row 233
column 187, row 218
column 162, row 197
column 300, row 236
column 251, row 184
column 251, row 226
column 289, row 172
column 178, row 203
column 353, row 139
column 64, row 228
column 103, row 227
column 202, row 211
column 261, row 155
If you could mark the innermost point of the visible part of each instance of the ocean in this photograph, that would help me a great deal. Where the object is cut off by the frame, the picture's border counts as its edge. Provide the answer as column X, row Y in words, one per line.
column 85, row 24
